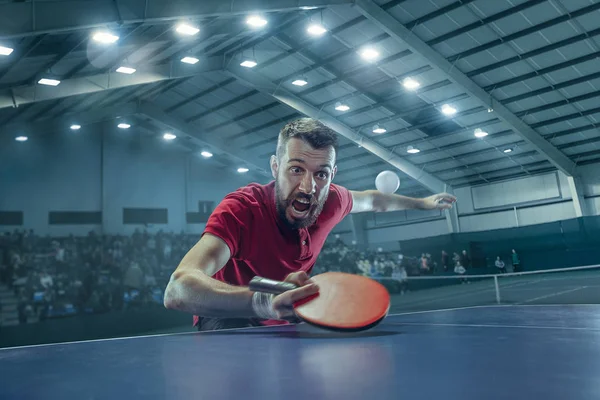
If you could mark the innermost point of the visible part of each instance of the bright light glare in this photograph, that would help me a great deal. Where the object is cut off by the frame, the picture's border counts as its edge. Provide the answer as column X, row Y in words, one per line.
column 186, row 29
column 206, row 154
column 316, row 29
column 448, row 110
column 342, row 107
column 300, row 82
column 248, row 63
column 189, row 60
column 508, row 151
column 369, row 54
column 126, row 70
column 410, row 84
column 378, row 129
column 75, row 127
column 412, row 150
column 123, row 126
column 480, row 134
column 21, row 138
column 169, row 136
column 256, row 21
column 49, row 82
column 242, row 170
column 105, row 37
column 5, row 51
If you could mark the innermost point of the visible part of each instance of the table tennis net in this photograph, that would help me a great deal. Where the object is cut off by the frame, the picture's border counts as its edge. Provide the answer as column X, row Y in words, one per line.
column 576, row 285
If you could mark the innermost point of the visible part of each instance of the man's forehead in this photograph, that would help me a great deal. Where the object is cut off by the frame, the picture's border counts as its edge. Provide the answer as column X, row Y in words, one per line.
column 299, row 151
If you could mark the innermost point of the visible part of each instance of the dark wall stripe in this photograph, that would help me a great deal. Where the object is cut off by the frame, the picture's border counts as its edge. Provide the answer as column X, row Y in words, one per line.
column 75, row 217
column 145, row 216
column 11, row 217
column 205, row 208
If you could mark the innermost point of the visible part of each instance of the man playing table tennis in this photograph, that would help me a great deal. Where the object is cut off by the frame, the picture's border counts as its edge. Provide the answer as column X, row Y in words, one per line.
column 275, row 231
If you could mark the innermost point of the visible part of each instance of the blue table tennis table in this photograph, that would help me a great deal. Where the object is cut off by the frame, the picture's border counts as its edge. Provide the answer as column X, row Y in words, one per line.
column 489, row 352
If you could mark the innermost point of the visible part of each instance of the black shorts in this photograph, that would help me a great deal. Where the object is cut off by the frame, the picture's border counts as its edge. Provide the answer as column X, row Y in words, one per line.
column 213, row 324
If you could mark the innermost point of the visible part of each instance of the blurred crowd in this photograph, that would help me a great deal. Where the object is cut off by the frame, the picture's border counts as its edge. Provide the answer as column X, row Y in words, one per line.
column 58, row 277
column 375, row 263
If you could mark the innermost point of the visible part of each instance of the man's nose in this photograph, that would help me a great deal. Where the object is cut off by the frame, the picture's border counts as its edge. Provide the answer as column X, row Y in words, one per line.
column 308, row 184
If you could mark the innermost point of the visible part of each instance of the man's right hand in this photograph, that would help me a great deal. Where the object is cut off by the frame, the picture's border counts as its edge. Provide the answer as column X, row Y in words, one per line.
column 283, row 303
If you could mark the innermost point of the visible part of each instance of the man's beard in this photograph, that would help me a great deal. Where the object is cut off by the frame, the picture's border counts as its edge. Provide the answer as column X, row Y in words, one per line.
column 282, row 204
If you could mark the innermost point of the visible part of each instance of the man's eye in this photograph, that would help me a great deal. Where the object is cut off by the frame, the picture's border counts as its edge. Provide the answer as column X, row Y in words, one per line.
column 323, row 175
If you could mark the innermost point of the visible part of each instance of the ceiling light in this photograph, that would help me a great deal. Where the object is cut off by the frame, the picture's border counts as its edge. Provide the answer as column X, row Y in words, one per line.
column 21, row 138
column 206, row 154
column 189, row 60
column 75, row 127
column 448, row 110
column 412, row 150
column 308, row 8
column 300, row 82
column 242, row 170
column 169, row 136
column 126, row 70
column 256, row 21
column 410, row 83
column 5, row 51
column 480, row 134
column 186, row 29
column 316, row 29
column 49, row 82
column 123, row 125
column 341, row 107
column 378, row 129
column 248, row 63
column 509, row 150
column 105, row 37
column 369, row 54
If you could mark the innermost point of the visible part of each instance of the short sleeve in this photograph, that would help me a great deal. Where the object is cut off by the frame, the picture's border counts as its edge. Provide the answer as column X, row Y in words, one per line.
column 345, row 200
column 229, row 221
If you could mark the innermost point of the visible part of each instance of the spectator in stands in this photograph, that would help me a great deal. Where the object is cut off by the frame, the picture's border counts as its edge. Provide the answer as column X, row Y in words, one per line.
column 455, row 258
column 46, row 280
column 500, row 265
column 465, row 260
column 445, row 261
column 459, row 269
column 134, row 278
column 400, row 279
column 425, row 268
column 516, row 262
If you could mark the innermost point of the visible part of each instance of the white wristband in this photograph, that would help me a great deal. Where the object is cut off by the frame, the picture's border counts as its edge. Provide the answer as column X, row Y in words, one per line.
column 262, row 304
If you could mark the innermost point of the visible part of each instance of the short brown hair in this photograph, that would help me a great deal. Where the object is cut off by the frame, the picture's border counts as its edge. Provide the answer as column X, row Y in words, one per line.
column 312, row 131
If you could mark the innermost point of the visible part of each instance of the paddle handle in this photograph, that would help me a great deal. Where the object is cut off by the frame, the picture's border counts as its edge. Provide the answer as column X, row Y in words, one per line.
column 264, row 285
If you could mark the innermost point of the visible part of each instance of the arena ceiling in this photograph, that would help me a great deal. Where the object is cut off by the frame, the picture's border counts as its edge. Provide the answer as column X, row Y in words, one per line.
column 447, row 93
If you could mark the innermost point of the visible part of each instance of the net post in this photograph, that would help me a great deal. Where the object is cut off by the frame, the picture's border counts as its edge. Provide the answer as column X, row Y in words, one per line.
column 497, row 289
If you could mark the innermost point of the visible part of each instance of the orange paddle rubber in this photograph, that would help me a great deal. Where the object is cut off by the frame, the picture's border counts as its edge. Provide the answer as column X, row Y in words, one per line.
column 345, row 302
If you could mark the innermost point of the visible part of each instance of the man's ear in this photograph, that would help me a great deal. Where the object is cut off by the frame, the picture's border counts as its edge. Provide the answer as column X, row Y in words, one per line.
column 274, row 166
column 334, row 172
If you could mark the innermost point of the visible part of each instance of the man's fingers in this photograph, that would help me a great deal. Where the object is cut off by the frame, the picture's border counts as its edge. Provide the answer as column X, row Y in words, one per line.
column 448, row 197
column 301, row 293
column 300, row 278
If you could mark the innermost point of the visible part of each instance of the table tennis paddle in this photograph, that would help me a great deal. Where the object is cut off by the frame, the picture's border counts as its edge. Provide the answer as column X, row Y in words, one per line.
column 345, row 302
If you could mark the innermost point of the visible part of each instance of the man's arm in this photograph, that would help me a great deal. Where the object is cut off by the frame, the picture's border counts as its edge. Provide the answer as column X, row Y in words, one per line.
column 374, row 200
column 192, row 289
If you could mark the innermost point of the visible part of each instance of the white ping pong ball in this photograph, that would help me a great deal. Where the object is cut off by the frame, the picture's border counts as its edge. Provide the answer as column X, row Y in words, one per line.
column 387, row 182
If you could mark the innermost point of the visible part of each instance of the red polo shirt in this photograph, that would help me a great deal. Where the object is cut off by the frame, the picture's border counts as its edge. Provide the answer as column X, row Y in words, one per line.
column 261, row 244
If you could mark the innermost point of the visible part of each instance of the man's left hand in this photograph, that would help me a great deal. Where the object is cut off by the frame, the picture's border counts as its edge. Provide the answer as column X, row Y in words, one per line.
column 440, row 201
